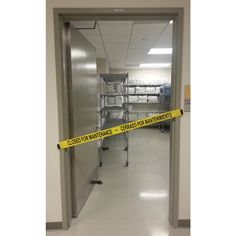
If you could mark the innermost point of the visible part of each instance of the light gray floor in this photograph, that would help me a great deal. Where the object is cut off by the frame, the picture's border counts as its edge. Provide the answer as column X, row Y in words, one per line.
column 133, row 200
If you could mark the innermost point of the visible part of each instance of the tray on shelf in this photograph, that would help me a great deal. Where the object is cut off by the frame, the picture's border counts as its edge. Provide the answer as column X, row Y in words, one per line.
column 114, row 77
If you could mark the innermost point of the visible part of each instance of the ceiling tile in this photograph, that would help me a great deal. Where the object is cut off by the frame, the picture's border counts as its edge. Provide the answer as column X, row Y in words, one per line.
column 164, row 42
column 117, row 55
column 144, row 37
column 148, row 29
column 96, row 41
column 169, row 29
column 109, row 38
column 101, row 54
column 118, row 46
column 117, row 66
column 118, row 29
column 131, row 60
column 94, row 32
column 157, row 59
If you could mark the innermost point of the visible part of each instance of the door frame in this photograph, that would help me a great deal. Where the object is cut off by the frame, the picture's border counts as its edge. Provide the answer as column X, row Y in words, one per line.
column 62, row 15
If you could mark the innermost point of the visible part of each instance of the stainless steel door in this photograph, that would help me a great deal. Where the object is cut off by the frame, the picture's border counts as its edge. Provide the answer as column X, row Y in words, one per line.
column 83, row 107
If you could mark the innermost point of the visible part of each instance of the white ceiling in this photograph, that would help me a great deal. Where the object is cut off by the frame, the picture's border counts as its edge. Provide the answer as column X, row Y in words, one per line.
column 126, row 43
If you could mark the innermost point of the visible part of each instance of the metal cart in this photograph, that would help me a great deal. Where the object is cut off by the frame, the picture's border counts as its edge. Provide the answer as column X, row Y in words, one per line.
column 114, row 110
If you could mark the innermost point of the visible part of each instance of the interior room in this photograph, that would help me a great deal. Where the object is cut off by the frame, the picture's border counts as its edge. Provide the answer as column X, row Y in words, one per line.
column 142, row 52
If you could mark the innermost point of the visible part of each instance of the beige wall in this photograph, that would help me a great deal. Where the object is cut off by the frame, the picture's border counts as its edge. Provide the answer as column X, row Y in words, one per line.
column 53, row 197
column 184, row 187
column 102, row 66
column 53, row 182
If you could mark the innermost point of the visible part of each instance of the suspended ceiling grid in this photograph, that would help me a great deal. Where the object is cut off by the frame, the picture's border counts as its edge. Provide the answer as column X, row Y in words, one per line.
column 125, row 44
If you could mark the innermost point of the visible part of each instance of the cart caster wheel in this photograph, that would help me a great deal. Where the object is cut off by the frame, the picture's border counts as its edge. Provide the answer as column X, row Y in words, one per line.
column 126, row 149
column 126, row 164
column 162, row 131
column 100, row 164
column 105, row 148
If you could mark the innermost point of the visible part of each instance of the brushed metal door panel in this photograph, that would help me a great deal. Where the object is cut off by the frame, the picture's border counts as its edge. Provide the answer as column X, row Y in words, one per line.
column 83, row 111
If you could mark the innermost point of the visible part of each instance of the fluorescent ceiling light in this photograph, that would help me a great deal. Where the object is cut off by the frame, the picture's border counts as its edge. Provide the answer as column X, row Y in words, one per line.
column 171, row 22
column 154, row 65
column 160, row 51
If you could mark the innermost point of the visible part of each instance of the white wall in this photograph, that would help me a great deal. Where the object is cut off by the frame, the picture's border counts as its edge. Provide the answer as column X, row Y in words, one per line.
column 53, row 197
column 146, row 76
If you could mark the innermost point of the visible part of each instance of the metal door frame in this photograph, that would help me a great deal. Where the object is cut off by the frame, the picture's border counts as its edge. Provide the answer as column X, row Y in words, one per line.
column 62, row 15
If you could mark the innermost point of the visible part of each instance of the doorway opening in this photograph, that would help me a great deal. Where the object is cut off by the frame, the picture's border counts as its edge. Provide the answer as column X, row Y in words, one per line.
column 134, row 82
column 146, row 51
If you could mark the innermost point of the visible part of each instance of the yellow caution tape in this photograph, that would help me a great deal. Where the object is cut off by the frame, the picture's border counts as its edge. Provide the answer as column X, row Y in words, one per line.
column 119, row 129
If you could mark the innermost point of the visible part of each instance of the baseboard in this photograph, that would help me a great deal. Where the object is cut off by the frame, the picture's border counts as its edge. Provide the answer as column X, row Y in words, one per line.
column 184, row 223
column 53, row 225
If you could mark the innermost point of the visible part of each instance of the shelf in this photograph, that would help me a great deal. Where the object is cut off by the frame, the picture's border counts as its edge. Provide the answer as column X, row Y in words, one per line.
column 130, row 94
column 156, row 112
column 113, row 95
column 143, row 85
column 143, row 94
column 114, row 78
column 110, row 108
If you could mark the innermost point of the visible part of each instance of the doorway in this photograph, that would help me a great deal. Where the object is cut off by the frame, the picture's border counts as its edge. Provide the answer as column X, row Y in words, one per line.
column 63, row 15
